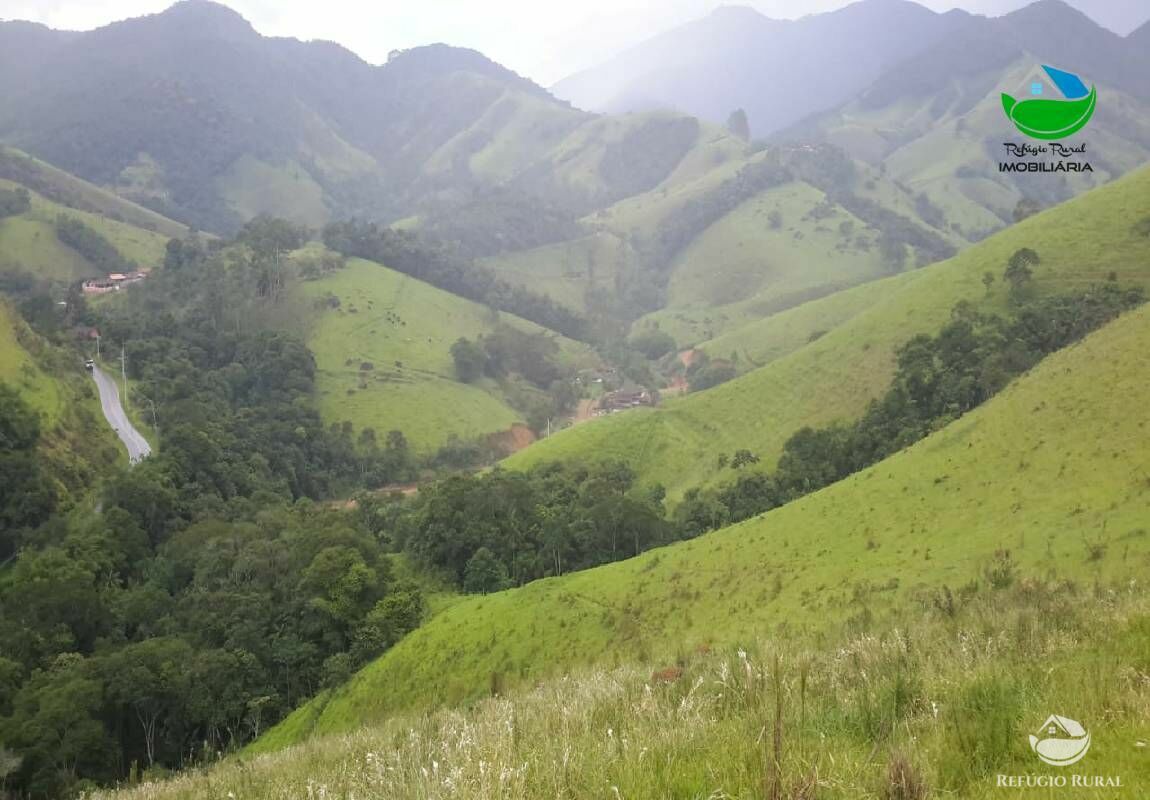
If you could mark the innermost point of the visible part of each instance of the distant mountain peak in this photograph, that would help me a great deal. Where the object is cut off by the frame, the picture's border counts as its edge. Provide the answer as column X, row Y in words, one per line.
column 872, row 6
column 1050, row 12
column 208, row 17
column 737, row 12
column 440, row 59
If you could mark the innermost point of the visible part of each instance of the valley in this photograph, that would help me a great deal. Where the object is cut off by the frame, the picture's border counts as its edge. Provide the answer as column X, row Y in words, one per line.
column 721, row 421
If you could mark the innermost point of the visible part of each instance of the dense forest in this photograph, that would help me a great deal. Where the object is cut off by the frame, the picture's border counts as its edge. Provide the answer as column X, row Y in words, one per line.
column 204, row 593
column 489, row 532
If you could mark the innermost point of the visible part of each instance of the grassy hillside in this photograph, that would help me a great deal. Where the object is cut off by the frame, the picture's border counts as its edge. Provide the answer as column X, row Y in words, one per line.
column 403, row 329
column 68, row 190
column 918, row 710
column 1052, row 469
column 29, row 240
column 252, row 187
column 752, row 236
column 568, row 271
column 840, row 372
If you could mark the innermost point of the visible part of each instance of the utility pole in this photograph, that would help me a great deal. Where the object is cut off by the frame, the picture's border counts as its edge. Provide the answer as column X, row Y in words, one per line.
column 124, row 375
column 152, row 405
column 97, row 345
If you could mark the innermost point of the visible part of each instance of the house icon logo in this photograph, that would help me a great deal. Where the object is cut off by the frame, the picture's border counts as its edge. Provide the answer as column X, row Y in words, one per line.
column 1047, row 118
column 1061, row 741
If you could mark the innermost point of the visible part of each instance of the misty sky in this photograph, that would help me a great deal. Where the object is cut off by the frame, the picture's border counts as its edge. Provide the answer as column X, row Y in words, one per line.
column 543, row 39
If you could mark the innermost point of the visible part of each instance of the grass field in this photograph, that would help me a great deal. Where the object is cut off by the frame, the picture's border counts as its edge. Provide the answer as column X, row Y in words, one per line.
column 404, row 330
column 30, row 241
column 741, row 270
column 566, row 271
column 840, row 372
column 252, row 187
column 1053, row 470
column 761, row 341
column 937, row 707
column 77, row 193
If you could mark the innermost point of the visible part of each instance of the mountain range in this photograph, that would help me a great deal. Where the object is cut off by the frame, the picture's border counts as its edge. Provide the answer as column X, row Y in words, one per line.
column 883, row 119
column 779, row 72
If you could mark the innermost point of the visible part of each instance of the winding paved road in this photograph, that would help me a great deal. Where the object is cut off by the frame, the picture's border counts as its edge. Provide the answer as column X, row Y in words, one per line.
column 137, row 445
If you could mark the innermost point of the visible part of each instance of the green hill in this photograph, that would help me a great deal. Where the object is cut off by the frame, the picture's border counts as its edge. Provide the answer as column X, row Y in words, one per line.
column 1052, row 469
column 384, row 361
column 785, row 246
column 68, row 190
column 736, row 239
column 29, row 240
column 850, row 363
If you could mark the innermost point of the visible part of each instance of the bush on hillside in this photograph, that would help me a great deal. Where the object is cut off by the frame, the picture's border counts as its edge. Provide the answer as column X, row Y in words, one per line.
column 14, row 202
column 654, row 344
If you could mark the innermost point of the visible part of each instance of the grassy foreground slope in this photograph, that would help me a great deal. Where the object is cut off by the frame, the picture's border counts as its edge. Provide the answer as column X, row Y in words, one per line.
column 384, row 360
column 1054, row 469
column 924, row 710
column 841, row 371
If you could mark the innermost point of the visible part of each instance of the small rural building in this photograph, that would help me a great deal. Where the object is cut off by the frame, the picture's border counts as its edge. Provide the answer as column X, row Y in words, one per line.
column 627, row 397
column 112, row 283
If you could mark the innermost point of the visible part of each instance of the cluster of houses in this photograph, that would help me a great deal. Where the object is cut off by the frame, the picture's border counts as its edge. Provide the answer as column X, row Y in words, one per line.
column 113, row 282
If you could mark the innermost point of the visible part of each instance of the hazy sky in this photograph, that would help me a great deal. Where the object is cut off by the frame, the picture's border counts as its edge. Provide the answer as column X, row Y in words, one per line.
column 543, row 39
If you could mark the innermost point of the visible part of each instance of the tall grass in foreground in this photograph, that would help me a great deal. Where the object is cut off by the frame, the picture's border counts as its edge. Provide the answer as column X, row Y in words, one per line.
column 936, row 708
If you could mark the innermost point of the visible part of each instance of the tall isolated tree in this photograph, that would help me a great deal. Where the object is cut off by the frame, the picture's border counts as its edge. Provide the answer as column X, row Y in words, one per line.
column 1019, row 272
column 470, row 360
